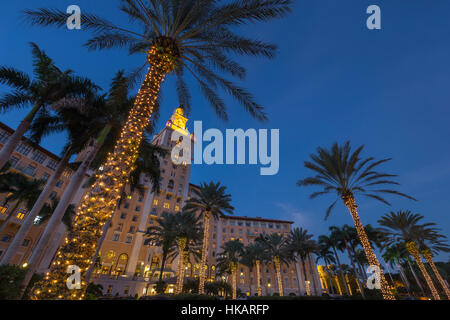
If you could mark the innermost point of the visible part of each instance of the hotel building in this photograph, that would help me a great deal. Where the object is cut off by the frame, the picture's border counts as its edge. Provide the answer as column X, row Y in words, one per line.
column 126, row 266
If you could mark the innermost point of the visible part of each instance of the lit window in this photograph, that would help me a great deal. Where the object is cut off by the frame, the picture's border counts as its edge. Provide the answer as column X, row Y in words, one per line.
column 177, row 208
column 3, row 209
column 20, row 215
column 166, row 205
column 155, row 202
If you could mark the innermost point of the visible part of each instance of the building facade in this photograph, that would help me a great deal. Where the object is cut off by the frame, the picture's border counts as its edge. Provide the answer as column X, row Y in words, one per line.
column 126, row 266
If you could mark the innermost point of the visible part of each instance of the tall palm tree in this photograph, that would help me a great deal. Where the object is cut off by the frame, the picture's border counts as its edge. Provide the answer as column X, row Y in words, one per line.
column 254, row 254
column 189, row 232
column 345, row 236
column 404, row 226
column 177, row 36
column 431, row 241
column 48, row 87
column 49, row 208
column 21, row 191
column 228, row 261
column 324, row 253
column 341, row 171
column 163, row 235
column 210, row 200
column 301, row 244
column 277, row 248
column 332, row 243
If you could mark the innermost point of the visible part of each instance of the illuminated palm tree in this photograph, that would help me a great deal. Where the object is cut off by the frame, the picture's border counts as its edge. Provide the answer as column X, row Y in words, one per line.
column 210, row 200
column 404, row 226
column 177, row 36
column 332, row 243
column 228, row 261
column 253, row 256
column 340, row 171
column 277, row 248
column 300, row 243
column 49, row 86
column 189, row 233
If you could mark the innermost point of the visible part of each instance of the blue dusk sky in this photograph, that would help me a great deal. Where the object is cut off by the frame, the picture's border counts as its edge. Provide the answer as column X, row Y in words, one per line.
column 332, row 80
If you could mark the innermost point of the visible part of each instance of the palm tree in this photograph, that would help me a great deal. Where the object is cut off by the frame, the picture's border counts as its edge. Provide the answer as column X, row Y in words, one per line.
column 50, row 86
column 99, row 119
column 189, row 232
column 277, row 248
column 176, row 36
column 341, row 171
column 21, row 190
column 323, row 252
column 396, row 255
column 404, row 226
column 345, row 235
column 163, row 235
column 301, row 244
column 228, row 261
column 209, row 200
column 254, row 255
column 430, row 241
column 49, row 208
column 332, row 243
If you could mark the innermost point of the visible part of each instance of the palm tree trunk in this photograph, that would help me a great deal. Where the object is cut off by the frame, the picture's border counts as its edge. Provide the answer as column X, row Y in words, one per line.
column 14, row 140
column 56, row 217
column 100, row 241
column 308, row 288
column 429, row 257
column 233, row 280
column 183, row 270
column 416, row 278
column 414, row 251
column 340, row 270
column 361, row 289
column 349, row 201
column 181, row 246
column 163, row 264
column 201, row 286
column 37, row 207
column 330, row 282
column 277, row 263
column 258, row 278
column 313, row 278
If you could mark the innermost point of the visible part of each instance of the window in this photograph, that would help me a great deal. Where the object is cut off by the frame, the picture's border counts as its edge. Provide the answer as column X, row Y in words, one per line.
column 23, row 149
column 231, row 230
column 59, row 184
column 166, row 205
column 25, row 242
column 3, row 136
column 6, row 238
column 178, row 200
column 51, row 164
column 52, row 195
column 3, row 209
column 240, row 223
column 155, row 202
column 270, row 226
column 45, row 176
column 20, row 215
column 131, row 229
column 140, row 199
column 14, row 161
column 278, row 226
column 116, row 237
column 38, row 157
column 109, row 289
column 134, row 219
column 168, row 196
column 30, row 170
column 123, row 215
column 154, row 211
column 128, row 239
column 177, row 208
column 224, row 230
column 119, row 227
column 247, row 224
column 127, row 289
column 240, row 231
column 138, row 208
column 126, row 205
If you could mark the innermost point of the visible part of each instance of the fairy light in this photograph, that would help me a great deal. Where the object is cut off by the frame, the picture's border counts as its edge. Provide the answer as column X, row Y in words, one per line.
column 350, row 202
column 413, row 250
column 277, row 263
column 258, row 277
column 201, row 287
column 426, row 253
column 233, row 275
column 181, row 245
column 100, row 201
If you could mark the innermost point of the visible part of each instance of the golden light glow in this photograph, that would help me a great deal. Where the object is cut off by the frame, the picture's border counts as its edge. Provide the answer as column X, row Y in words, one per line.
column 429, row 257
column 201, row 287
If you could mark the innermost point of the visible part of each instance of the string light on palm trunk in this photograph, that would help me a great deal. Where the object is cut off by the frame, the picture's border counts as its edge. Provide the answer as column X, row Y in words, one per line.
column 350, row 202
column 277, row 263
column 181, row 245
column 426, row 253
column 100, row 201
column 412, row 248
column 201, row 287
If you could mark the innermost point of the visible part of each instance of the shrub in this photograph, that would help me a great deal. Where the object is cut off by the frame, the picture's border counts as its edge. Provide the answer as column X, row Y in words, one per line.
column 10, row 280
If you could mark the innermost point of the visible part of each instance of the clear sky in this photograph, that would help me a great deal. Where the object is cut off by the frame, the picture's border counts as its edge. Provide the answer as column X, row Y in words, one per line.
column 332, row 80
